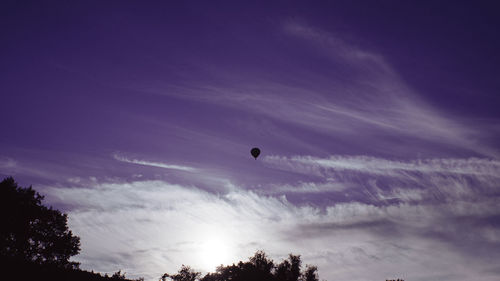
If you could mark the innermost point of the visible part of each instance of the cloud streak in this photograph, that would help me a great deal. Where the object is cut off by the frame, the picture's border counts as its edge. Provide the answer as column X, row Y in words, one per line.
column 153, row 164
column 381, row 166
column 383, row 181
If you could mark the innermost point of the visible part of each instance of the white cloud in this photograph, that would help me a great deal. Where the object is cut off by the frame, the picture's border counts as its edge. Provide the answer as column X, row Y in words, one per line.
column 151, row 227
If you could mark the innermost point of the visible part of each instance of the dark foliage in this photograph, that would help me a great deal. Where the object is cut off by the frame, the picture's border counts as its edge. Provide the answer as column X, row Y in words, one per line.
column 22, row 270
column 32, row 232
column 259, row 267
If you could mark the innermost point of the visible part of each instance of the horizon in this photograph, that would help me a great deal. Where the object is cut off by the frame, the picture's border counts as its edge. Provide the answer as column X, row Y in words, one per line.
column 377, row 124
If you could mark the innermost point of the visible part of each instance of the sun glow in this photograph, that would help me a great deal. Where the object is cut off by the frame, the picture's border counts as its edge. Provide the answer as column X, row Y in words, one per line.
column 214, row 251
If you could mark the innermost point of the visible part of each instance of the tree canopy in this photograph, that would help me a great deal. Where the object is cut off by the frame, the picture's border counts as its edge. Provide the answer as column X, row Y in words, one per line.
column 31, row 231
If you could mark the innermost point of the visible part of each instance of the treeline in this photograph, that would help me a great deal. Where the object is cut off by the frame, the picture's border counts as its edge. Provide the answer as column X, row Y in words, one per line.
column 259, row 267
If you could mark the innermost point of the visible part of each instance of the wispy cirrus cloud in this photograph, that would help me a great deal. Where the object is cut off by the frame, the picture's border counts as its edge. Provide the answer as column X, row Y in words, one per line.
column 381, row 98
column 358, row 94
column 386, row 181
column 381, row 166
column 154, row 164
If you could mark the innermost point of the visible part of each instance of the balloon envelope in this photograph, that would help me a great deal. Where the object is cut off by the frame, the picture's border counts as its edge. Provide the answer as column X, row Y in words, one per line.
column 255, row 152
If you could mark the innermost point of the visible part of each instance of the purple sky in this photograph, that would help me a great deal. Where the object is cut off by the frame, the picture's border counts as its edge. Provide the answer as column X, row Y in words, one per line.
column 378, row 123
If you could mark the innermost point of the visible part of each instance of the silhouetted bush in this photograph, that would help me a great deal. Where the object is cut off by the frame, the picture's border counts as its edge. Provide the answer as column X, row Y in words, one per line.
column 259, row 267
column 31, row 231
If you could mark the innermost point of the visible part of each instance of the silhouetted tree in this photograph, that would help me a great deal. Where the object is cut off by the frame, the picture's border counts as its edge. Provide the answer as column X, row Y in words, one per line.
column 184, row 274
column 31, row 231
column 260, row 267
column 289, row 270
column 310, row 274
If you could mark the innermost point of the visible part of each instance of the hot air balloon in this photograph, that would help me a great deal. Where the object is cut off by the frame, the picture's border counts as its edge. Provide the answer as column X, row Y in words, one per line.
column 255, row 152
